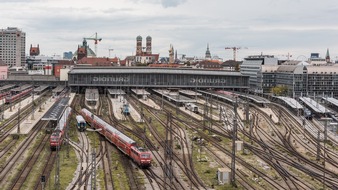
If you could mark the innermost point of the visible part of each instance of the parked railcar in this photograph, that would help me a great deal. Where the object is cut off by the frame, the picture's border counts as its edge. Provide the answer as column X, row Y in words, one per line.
column 4, row 94
column 125, row 109
column 307, row 114
column 10, row 99
column 81, row 123
column 56, row 139
column 128, row 146
column 191, row 107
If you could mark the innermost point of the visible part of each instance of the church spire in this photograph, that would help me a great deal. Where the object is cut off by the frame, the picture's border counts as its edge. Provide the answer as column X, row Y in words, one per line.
column 207, row 53
column 327, row 57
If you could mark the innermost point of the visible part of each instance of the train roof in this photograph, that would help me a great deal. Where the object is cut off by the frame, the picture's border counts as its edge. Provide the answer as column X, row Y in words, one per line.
column 54, row 113
column 80, row 119
column 110, row 128
column 63, row 118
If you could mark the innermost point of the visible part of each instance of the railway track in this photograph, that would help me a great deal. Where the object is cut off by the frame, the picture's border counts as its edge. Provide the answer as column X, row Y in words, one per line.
column 21, row 177
column 178, row 159
column 47, row 168
column 14, row 158
column 196, row 124
column 106, row 162
column 155, row 181
column 311, row 168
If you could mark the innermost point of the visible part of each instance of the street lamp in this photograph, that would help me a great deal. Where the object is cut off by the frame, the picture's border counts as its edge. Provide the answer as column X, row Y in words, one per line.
column 93, row 186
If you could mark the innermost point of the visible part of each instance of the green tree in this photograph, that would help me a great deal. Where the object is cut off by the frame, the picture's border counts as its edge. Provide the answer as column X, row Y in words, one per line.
column 279, row 90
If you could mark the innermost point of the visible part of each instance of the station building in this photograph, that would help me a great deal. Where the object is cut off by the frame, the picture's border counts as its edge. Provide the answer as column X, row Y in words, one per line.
column 148, row 77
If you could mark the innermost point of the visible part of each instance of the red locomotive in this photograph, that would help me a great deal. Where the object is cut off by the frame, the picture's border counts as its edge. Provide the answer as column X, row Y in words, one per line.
column 56, row 139
column 127, row 145
column 10, row 99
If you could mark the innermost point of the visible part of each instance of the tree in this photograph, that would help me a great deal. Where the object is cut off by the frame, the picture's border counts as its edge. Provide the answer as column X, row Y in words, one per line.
column 280, row 90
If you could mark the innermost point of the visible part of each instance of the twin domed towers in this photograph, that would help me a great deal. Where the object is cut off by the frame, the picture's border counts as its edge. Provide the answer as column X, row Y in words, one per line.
column 139, row 48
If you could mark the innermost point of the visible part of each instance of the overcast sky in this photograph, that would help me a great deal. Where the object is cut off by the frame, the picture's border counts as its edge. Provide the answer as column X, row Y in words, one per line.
column 278, row 27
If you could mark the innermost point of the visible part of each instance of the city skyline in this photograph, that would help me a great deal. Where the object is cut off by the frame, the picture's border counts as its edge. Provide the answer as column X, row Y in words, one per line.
column 269, row 27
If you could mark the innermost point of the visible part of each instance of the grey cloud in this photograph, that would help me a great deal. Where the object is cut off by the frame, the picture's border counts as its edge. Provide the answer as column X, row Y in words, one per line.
column 172, row 3
column 18, row 1
column 165, row 3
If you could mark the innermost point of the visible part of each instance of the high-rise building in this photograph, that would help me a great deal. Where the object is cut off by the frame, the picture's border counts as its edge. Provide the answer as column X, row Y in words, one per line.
column 12, row 46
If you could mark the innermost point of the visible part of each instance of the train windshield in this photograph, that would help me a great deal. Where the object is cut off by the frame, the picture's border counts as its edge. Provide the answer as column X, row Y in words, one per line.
column 54, row 139
column 145, row 155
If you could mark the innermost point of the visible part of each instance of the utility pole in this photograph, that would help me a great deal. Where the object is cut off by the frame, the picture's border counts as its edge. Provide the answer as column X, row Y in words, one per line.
column 326, row 120
column 318, row 146
column 18, row 120
column 233, row 155
column 57, row 170
column 32, row 104
column 205, row 112
column 251, row 123
column 168, row 155
column 67, row 135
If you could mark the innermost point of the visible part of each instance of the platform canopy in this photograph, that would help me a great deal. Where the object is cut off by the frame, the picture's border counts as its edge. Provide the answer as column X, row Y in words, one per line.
column 56, row 111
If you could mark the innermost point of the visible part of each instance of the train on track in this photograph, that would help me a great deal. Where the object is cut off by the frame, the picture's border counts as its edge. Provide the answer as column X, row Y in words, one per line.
column 128, row 146
column 56, row 139
column 191, row 107
column 125, row 109
column 4, row 94
column 10, row 99
column 308, row 114
column 81, row 123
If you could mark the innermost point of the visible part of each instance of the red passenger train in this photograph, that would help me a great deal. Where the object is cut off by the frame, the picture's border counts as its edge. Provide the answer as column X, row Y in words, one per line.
column 127, row 145
column 4, row 94
column 56, row 139
column 10, row 99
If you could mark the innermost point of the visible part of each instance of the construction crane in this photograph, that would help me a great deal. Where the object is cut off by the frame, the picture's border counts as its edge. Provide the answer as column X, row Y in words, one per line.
column 110, row 51
column 96, row 40
column 287, row 55
column 235, row 50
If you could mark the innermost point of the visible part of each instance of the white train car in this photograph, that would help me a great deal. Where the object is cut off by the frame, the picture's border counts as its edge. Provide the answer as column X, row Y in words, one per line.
column 192, row 107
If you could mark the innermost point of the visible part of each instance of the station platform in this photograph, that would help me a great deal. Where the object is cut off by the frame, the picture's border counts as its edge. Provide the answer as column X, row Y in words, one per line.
column 192, row 114
column 58, row 89
column 200, row 101
column 150, row 103
column 241, row 113
column 6, row 87
column 223, row 95
column 291, row 102
column 116, row 92
column 117, row 109
column 117, row 105
column 29, row 122
column 140, row 92
column 21, row 88
column 40, row 88
column 92, row 94
column 174, row 96
column 314, row 105
column 189, row 93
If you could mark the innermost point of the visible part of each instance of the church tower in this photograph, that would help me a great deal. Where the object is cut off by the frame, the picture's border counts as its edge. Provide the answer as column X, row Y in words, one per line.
column 148, row 45
column 327, row 57
column 207, row 53
column 171, row 54
column 138, row 45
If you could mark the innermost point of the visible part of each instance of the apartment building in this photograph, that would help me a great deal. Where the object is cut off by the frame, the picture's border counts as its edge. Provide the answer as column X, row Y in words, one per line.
column 12, row 46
